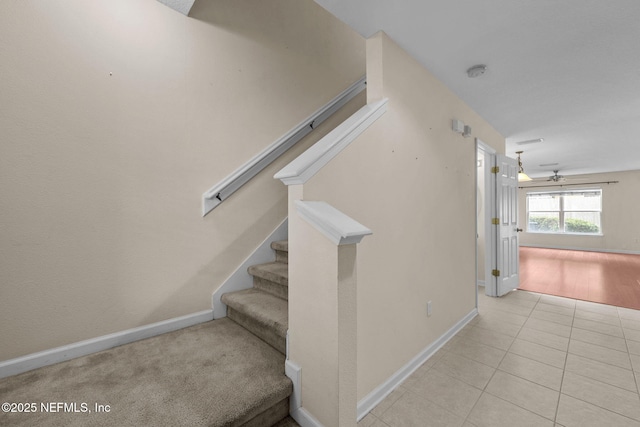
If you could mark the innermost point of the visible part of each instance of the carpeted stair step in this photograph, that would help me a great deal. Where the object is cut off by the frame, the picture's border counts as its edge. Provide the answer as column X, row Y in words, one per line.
column 213, row 374
column 261, row 313
column 272, row 277
column 282, row 250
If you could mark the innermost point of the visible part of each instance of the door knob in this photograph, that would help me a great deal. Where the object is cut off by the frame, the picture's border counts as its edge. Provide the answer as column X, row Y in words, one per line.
column 518, row 229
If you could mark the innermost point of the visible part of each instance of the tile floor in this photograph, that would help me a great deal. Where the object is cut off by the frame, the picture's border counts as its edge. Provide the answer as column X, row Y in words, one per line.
column 527, row 360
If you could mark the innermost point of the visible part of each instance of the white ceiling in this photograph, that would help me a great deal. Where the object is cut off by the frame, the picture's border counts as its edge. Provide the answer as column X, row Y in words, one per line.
column 567, row 71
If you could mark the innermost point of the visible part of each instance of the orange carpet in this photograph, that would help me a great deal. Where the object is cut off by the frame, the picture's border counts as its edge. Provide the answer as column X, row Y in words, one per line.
column 607, row 278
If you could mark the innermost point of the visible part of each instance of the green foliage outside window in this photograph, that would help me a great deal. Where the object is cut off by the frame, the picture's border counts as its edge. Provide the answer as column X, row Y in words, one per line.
column 574, row 225
column 543, row 223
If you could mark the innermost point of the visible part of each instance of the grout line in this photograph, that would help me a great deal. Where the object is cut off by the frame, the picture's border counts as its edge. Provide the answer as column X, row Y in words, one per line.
column 564, row 368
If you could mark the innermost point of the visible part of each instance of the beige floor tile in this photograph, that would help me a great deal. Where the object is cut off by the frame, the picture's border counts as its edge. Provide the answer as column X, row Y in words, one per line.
column 552, row 317
column 603, row 328
column 606, row 396
column 521, row 297
column 539, row 353
column 631, row 324
column 573, row 412
column 549, row 327
column 491, row 411
column 633, row 347
column 598, row 317
column 627, row 313
column 504, row 316
column 467, row 328
column 632, row 334
column 490, row 338
column 451, row 394
column 601, row 354
column 447, row 347
column 498, row 325
column 388, row 401
column 412, row 410
column 609, row 310
column 539, row 373
column 597, row 338
column 554, row 300
column 558, row 309
column 413, row 379
column 370, row 421
column 526, row 394
column 514, row 308
column 603, row 372
column 473, row 350
column 544, row 338
column 635, row 362
column 471, row 372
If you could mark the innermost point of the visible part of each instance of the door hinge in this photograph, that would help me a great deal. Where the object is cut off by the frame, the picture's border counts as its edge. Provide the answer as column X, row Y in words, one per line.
column 495, row 273
column 495, row 221
column 495, row 169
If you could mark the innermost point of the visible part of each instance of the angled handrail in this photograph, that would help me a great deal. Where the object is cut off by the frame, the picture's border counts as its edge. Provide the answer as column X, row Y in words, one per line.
column 221, row 191
column 318, row 155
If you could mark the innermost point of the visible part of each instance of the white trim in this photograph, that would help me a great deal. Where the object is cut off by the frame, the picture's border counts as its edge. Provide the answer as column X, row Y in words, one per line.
column 336, row 226
column 304, row 418
column 292, row 371
column 490, row 242
column 297, row 412
column 182, row 6
column 241, row 279
column 383, row 390
column 94, row 345
column 576, row 248
column 311, row 161
column 481, row 283
column 222, row 190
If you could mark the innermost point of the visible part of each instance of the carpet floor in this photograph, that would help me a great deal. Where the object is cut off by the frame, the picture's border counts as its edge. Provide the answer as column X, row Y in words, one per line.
column 198, row 376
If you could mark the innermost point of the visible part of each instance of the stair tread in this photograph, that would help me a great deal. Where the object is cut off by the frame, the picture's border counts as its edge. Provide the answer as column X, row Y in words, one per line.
column 263, row 307
column 280, row 245
column 216, row 373
column 277, row 272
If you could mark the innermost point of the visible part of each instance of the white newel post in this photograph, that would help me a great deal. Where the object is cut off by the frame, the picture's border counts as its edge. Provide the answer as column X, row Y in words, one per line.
column 322, row 346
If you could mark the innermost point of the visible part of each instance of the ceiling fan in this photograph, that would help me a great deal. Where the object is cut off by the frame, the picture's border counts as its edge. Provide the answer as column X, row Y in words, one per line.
column 556, row 178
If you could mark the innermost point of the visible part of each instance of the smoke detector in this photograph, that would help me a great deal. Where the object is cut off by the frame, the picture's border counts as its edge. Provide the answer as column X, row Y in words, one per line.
column 476, row 71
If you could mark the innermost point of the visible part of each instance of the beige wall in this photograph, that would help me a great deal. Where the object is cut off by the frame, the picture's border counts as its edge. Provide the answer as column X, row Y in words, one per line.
column 411, row 180
column 115, row 117
column 620, row 207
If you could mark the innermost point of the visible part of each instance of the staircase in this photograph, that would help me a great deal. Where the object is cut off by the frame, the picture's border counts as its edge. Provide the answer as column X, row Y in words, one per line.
column 263, row 311
column 224, row 373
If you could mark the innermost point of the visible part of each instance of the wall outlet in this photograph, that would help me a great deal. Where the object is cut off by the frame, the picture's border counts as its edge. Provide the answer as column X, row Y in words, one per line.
column 428, row 308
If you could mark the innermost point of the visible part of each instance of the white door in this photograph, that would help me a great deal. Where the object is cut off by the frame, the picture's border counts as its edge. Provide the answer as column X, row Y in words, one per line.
column 507, row 270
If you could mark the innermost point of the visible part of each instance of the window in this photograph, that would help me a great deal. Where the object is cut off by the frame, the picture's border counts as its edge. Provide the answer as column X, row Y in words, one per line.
column 566, row 212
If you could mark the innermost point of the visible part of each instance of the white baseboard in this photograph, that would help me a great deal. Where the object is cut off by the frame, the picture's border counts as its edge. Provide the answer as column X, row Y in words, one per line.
column 241, row 279
column 94, row 345
column 297, row 412
column 576, row 248
column 304, row 418
column 376, row 396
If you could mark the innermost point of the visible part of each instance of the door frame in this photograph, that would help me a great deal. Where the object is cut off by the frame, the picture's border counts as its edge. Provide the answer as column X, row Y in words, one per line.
column 489, row 203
